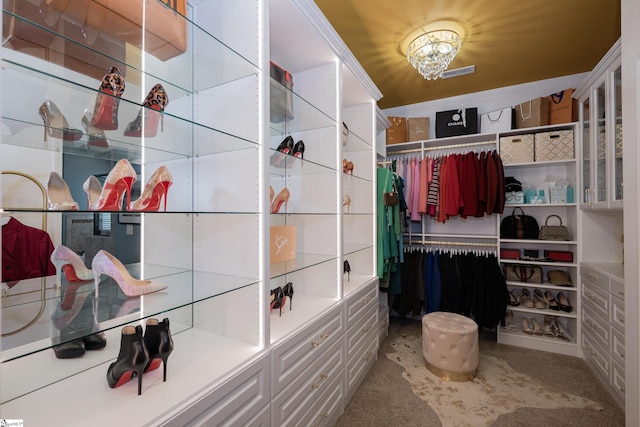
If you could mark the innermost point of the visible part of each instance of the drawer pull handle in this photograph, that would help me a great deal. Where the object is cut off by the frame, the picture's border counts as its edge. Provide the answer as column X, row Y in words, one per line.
column 323, row 337
column 366, row 300
column 622, row 356
column 621, row 293
column 366, row 329
column 622, row 390
column 317, row 385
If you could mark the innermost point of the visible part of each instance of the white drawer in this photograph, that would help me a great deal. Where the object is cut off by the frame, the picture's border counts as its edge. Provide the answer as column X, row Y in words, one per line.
column 595, row 277
column 299, row 397
column 597, row 326
column 358, row 303
column 597, row 298
column 329, row 406
column 234, row 403
column 617, row 346
column 263, row 419
column 359, row 364
column 617, row 379
column 617, row 314
column 617, row 288
column 292, row 357
column 356, row 334
column 595, row 356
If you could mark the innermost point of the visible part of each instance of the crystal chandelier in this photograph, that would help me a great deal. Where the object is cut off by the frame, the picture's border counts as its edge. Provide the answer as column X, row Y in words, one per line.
column 432, row 52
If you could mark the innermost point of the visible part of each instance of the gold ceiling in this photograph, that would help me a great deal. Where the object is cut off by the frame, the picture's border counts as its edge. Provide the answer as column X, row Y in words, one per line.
column 509, row 41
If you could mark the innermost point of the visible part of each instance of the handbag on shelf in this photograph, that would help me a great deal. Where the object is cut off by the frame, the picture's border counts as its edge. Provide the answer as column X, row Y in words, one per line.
column 523, row 273
column 559, row 256
column 509, row 253
column 554, row 232
column 559, row 278
column 519, row 226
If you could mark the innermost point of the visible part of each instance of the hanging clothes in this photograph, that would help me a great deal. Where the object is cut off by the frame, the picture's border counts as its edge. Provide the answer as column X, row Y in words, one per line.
column 26, row 253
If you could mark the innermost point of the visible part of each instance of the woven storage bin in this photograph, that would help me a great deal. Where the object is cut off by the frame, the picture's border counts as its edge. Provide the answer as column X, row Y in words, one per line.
column 556, row 145
column 517, row 149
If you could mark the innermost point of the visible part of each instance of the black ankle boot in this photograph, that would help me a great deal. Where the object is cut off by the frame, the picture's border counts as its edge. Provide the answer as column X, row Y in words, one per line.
column 157, row 339
column 132, row 359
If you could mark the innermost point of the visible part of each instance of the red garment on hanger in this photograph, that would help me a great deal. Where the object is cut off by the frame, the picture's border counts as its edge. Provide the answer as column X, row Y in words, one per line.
column 26, row 253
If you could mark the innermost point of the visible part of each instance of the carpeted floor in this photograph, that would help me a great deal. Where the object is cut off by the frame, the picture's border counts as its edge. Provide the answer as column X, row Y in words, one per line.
column 385, row 397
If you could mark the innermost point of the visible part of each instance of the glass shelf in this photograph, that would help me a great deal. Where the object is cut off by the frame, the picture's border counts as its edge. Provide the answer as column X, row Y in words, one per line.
column 301, row 262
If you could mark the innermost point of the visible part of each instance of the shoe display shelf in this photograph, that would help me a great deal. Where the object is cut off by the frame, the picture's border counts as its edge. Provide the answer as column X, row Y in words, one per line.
column 567, row 338
column 235, row 360
column 206, row 248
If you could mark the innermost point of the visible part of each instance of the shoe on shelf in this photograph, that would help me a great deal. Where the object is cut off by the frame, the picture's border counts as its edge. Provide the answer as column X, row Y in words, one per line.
column 59, row 195
column 298, row 151
column 132, row 359
column 279, row 200
column 55, row 124
column 157, row 339
column 68, row 262
column 278, row 299
column 346, row 268
column 553, row 304
column 93, row 189
column 116, row 186
column 514, row 297
column 563, row 302
column 97, row 138
column 539, row 301
column 526, row 326
column 155, row 190
column 537, row 326
column 287, row 291
column 548, row 326
column 105, row 263
column 284, row 149
column 105, row 111
column 347, row 202
column 525, row 298
column 153, row 111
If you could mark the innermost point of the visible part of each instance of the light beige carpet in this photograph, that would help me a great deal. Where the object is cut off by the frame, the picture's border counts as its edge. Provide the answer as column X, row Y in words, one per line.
column 496, row 390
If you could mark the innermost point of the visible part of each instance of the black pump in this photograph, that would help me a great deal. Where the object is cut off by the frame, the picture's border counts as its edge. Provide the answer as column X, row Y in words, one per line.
column 288, row 292
column 347, row 269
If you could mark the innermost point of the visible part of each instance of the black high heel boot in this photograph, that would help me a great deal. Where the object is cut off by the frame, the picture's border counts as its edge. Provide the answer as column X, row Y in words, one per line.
column 157, row 339
column 288, row 292
column 132, row 359
column 347, row 269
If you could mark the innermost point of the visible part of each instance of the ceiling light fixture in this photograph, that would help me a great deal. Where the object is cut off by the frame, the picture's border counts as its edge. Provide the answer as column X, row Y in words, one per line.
column 432, row 52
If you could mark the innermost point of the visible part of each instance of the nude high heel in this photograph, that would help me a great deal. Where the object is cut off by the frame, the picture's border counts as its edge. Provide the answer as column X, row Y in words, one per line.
column 97, row 138
column 155, row 190
column 105, row 263
column 279, row 200
column 347, row 202
column 118, row 183
column 93, row 189
column 55, row 124
column 59, row 195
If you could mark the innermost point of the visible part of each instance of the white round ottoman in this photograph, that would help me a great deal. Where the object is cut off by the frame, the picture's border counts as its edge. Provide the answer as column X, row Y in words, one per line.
column 450, row 345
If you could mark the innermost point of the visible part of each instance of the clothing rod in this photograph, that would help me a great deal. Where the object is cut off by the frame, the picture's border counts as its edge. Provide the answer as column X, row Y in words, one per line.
column 385, row 163
column 438, row 242
column 441, row 147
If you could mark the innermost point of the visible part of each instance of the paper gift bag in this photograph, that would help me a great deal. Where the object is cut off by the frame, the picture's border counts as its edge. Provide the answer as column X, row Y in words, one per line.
column 557, row 145
column 282, row 243
column 497, row 121
column 397, row 132
column 562, row 107
column 418, row 128
column 517, row 149
column 532, row 113
column 463, row 121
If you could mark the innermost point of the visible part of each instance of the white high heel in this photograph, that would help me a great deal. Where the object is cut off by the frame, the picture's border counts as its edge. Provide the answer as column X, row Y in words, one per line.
column 105, row 263
column 93, row 188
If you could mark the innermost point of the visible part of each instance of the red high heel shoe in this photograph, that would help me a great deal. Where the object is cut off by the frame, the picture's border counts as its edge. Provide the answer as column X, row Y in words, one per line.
column 152, row 107
column 155, row 190
column 132, row 359
column 55, row 124
column 279, row 200
column 105, row 112
column 118, row 182
column 278, row 300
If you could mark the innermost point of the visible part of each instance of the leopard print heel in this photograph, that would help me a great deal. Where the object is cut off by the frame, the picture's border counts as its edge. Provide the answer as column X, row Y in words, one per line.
column 152, row 109
column 105, row 112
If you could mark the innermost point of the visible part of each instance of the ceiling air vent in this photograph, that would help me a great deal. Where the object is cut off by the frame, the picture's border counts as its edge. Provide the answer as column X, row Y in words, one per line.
column 459, row 72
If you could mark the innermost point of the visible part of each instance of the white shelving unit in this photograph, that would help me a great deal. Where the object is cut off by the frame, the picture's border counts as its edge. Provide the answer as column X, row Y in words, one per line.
column 235, row 361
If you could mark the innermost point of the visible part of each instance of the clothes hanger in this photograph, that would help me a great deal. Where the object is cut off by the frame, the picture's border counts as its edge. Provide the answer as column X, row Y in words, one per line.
column 4, row 219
